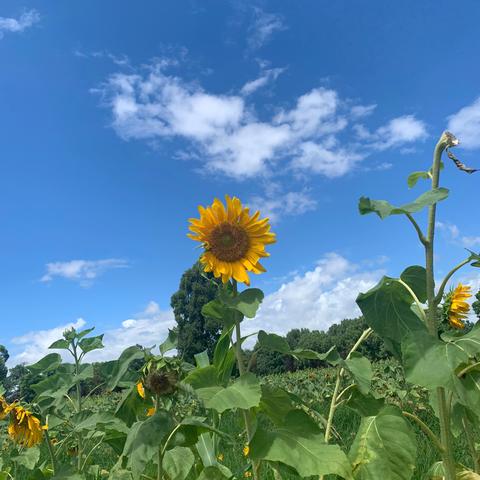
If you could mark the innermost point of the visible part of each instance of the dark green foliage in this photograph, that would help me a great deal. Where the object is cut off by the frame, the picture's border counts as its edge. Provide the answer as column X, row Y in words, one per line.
column 195, row 332
column 476, row 305
column 3, row 364
column 18, row 384
column 342, row 335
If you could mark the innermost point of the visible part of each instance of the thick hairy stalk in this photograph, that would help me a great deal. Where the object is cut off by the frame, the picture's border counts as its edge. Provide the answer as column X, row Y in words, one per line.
column 51, row 452
column 242, row 370
column 445, row 141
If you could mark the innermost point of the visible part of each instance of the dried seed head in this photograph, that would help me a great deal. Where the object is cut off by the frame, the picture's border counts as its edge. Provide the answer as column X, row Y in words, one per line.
column 162, row 383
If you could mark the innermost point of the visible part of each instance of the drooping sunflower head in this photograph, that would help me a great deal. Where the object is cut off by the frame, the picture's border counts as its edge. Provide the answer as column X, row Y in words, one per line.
column 456, row 308
column 25, row 428
column 233, row 239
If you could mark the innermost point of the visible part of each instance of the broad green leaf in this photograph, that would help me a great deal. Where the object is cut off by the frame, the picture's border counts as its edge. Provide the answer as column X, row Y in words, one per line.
column 299, row 443
column 206, row 450
column 102, row 421
column 467, row 475
column 416, row 278
column 430, row 362
column 214, row 473
column 384, row 448
column 61, row 344
column 47, row 364
column 91, row 343
column 387, row 310
column 275, row 403
column 469, row 342
column 28, row 458
column 203, row 378
column 170, row 343
column 364, row 405
column 331, row 356
column 244, row 393
column 384, row 209
column 178, row 462
column 144, row 439
column 131, row 406
column 218, row 310
column 246, row 302
column 274, row 342
column 121, row 366
column 224, row 356
column 84, row 333
column 201, row 359
column 361, row 370
column 414, row 177
column 475, row 259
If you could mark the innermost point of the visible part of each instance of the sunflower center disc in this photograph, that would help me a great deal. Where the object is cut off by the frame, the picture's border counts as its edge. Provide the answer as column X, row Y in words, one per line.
column 229, row 243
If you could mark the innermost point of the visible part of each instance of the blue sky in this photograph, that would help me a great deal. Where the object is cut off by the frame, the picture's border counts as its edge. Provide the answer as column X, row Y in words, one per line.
column 117, row 120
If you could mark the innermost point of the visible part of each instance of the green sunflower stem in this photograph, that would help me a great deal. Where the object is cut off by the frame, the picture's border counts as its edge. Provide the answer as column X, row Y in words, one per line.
column 445, row 141
column 53, row 459
column 79, row 405
column 160, row 450
column 242, row 370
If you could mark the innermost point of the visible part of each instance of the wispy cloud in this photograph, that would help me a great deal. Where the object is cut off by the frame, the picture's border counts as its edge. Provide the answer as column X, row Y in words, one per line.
column 453, row 234
column 465, row 124
column 263, row 27
column 15, row 25
column 82, row 271
column 398, row 131
column 267, row 76
column 319, row 134
column 275, row 204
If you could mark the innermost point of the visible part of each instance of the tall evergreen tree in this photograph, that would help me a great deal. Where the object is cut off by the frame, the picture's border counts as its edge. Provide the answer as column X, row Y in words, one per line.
column 195, row 333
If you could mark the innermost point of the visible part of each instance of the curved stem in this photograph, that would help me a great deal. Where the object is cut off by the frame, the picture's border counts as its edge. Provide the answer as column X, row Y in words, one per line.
column 468, row 369
column 51, row 452
column 425, row 430
column 450, row 274
column 415, row 298
column 160, row 452
column 420, row 234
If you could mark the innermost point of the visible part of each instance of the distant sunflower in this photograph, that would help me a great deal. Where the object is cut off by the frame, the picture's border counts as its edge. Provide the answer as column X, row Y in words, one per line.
column 456, row 308
column 25, row 428
column 233, row 239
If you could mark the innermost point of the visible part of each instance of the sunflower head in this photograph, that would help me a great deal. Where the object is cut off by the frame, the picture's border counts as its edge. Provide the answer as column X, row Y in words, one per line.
column 162, row 382
column 4, row 408
column 456, row 308
column 233, row 240
column 25, row 428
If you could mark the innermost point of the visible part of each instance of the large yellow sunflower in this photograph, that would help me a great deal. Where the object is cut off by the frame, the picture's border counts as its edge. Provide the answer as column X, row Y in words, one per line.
column 233, row 239
column 25, row 428
column 457, row 308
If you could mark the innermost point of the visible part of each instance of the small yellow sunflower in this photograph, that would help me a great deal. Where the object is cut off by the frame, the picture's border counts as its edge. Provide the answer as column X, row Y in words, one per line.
column 234, row 241
column 246, row 450
column 456, row 307
column 4, row 408
column 141, row 389
column 25, row 429
column 220, row 457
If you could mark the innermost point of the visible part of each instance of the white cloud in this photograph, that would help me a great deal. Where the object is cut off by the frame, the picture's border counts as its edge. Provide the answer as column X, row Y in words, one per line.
column 360, row 111
column 147, row 328
column 453, row 234
column 264, row 79
column 263, row 27
column 276, row 204
column 398, row 131
column 465, row 124
column 317, row 299
column 82, row 271
column 32, row 346
column 225, row 134
column 14, row 25
column 331, row 163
